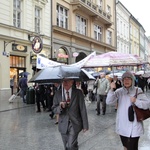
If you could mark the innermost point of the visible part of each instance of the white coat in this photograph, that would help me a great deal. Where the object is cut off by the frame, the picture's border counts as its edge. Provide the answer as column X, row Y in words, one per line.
column 123, row 126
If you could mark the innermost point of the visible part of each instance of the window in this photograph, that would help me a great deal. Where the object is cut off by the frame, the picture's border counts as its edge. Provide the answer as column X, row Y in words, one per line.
column 109, row 37
column 118, row 46
column 121, row 27
column 117, row 25
column 98, row 32
column 80, row 25
column 17, row 13
column 37, row 19
column 100, row 3
column 131, row 29
column 62, row 17
column 17, row 61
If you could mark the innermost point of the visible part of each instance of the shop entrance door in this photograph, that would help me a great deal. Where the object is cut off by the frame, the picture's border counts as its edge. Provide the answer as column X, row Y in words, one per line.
column 20, row 70
column 15, row 72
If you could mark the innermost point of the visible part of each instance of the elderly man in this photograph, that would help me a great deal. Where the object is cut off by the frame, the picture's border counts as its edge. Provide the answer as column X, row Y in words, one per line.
column 70, row 105
column 103, row 86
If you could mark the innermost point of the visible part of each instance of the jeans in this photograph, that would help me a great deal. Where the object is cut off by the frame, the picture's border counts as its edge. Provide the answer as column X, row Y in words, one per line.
column 23, row 93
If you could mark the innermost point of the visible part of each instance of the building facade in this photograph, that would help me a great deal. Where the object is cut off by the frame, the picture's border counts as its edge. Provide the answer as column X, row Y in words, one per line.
column 61, row 30
column 142, row 46
column 131, row 36
column 22, row 22
column 123, row 34
column 81, row 27
column 134, row 36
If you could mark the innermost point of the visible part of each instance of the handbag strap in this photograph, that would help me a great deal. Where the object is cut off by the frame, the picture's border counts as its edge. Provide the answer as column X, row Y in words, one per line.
column 136, row 93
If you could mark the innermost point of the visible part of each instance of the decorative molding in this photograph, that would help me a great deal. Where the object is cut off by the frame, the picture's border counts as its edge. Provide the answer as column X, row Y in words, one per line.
column 76, row 7
column 42, row 1
column 94, row 18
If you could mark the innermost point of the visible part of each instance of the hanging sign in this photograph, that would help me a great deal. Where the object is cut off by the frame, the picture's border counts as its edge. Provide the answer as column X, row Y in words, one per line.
column 37, row 44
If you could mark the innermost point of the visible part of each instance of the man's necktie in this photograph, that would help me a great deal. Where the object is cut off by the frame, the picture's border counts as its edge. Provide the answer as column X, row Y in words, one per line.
column 68, row 97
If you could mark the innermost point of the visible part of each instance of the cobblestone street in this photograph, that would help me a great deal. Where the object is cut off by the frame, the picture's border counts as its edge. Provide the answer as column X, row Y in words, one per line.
column 21, row 128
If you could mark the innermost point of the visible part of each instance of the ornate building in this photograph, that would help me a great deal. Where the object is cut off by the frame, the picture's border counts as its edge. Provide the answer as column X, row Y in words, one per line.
column 62, row 30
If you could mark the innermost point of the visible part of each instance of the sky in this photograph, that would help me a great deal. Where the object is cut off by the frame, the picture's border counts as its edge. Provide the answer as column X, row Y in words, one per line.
column 141, row 11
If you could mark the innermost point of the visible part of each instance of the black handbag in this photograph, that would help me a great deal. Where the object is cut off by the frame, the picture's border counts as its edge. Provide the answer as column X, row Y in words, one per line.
column 131, row 113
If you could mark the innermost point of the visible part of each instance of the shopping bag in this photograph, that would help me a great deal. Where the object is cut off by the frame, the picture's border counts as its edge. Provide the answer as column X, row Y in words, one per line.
column 11, row 99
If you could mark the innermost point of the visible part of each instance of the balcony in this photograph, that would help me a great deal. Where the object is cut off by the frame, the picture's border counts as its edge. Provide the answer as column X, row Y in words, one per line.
column 92, row 10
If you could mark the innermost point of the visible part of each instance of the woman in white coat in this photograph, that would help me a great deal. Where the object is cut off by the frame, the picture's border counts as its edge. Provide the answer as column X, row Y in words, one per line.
column 129, row 131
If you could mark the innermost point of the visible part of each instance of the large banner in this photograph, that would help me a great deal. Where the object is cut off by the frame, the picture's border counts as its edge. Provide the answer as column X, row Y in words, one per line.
column 81, row 63
column 42, row 62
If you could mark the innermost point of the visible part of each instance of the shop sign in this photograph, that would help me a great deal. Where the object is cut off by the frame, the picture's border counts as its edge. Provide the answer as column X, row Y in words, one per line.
column 75, row 54
column 18, row 47
column 37, row 44
column 60, row 55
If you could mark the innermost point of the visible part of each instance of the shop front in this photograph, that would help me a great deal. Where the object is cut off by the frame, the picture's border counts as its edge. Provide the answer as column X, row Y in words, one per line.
column 17, row 66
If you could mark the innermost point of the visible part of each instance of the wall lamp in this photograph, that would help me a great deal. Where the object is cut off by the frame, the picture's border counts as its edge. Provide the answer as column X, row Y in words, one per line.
column 31, row 36
column 5, row 45
column 33, row 58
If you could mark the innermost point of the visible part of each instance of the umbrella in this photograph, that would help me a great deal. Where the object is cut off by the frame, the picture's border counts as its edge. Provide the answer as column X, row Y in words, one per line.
column 144, row 73
column 85, row 75
column 114, row 59
column 24, row 73
column 58, row 73
column 141, row 72
column 96, row 74
column 118, row 74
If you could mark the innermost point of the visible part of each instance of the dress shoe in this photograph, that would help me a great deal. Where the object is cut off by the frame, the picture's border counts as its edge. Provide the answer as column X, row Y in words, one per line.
column 38, row 111
column 48, row 110
column 97, row 114
column 44, row 109
column 51, row 115
column 56, row 122
column 103, row 113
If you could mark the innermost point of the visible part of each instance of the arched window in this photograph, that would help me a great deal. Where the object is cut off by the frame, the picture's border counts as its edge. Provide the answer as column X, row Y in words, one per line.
column 80, row 56
column 62, row 55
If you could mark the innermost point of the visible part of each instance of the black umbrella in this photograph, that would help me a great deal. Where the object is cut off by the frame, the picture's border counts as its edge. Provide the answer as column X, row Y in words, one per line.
column 58, row 73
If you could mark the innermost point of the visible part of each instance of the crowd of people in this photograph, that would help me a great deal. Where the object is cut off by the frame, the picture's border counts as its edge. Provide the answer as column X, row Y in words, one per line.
column 68, row 105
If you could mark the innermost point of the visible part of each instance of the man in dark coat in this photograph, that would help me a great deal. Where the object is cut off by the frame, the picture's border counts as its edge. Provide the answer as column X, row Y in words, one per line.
column 141, row 82
column 72, row 114
column 40, row 94
column 23, row 86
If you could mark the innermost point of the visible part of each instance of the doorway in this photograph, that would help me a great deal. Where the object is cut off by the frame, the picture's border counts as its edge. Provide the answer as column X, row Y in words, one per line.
column 16, row 72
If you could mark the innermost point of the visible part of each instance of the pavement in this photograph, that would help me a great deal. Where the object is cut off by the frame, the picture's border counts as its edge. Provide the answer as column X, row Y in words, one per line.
column 21, row 128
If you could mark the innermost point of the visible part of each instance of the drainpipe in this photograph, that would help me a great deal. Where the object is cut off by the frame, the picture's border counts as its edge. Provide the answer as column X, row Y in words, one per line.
column 51, row 51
